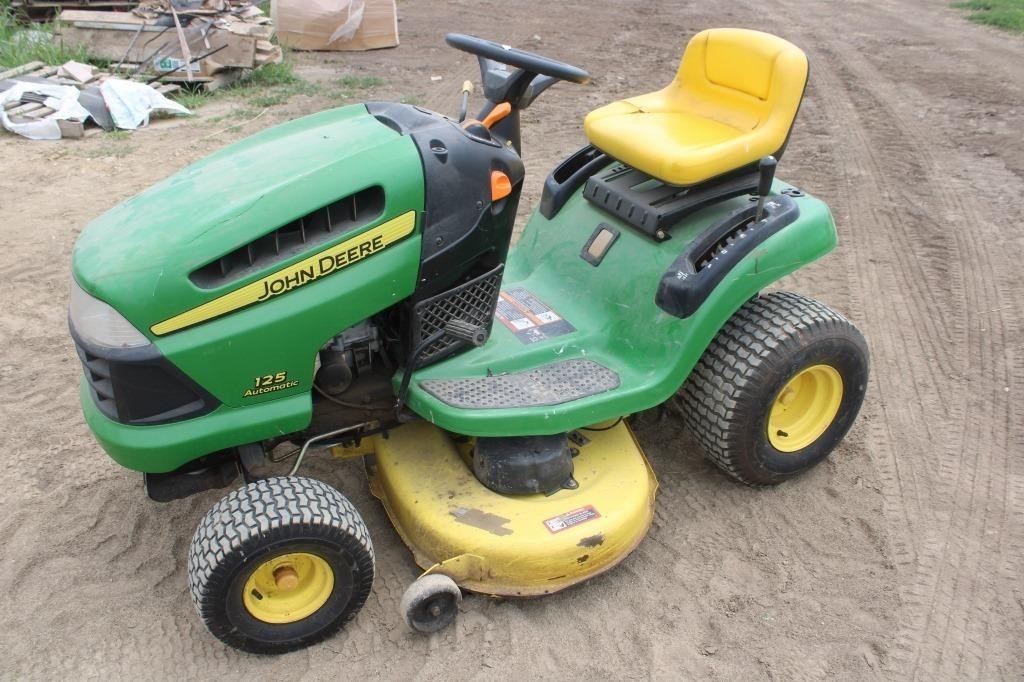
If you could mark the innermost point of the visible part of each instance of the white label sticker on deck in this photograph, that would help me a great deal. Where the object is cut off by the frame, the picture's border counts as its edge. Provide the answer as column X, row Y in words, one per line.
column 529, row 318
column 574, row 518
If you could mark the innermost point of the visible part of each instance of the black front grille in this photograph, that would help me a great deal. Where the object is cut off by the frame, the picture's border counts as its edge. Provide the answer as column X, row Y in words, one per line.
column 472, row 302
column 140, row 386
column 97, row 373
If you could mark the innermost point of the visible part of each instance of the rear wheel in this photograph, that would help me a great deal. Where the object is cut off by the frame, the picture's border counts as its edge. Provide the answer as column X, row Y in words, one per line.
column 777, row 389
column 280, row 564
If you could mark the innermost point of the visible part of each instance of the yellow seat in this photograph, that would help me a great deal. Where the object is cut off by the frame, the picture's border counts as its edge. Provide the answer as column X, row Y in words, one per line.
column 732, row 102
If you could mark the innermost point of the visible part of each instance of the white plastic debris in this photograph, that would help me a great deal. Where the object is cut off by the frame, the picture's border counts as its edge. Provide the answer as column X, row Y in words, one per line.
column 63, row 99
column 352, row 21
column 131, row 103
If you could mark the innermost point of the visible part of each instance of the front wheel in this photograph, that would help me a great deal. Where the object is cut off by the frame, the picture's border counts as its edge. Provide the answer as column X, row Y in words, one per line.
column 280, row 564
column 777, row 389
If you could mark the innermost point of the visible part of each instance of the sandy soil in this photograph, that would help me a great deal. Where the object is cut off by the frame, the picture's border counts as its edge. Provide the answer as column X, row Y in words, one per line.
column 900, row 557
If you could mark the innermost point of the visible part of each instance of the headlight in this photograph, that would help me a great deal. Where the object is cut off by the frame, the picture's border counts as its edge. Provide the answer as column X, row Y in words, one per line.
column 99, row 324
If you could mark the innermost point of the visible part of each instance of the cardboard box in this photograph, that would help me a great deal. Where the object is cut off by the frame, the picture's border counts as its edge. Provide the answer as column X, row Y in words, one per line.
column 335, row 24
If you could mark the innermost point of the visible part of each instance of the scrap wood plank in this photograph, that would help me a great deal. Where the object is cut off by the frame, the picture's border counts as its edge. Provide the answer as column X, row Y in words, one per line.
column 87, row 15
column 24, row 109
column 127, row 69
column 113, row 45
column 41, row 112
column 58, row 4
column 117, row 26
column 20, row 70
column 45, row 72
column 119, row 46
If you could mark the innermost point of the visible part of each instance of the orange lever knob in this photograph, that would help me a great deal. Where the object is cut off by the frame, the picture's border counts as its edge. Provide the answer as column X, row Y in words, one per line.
column 497, row 113
column 501, row 185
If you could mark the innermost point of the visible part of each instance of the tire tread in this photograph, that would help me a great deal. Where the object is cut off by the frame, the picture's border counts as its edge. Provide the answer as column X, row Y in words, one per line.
column 736, row 358
column 295, row 506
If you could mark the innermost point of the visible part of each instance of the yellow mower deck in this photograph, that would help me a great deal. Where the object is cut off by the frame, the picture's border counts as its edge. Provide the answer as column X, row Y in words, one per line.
column 511, row 545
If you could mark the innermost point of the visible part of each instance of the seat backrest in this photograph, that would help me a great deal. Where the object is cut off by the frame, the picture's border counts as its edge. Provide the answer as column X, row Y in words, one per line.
column 745, row 79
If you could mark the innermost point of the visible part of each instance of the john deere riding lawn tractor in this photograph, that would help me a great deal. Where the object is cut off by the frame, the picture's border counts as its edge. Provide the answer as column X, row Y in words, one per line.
column 359, row 295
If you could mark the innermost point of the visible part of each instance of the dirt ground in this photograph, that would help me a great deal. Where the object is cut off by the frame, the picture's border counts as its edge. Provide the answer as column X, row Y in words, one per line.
column 899, row 557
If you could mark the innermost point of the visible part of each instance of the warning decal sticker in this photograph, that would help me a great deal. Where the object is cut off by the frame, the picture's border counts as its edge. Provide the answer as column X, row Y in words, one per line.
column 574, row 518
column 529, row 318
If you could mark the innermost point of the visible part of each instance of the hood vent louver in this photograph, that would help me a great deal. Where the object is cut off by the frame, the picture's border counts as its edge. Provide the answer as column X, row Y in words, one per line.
column 322, row 225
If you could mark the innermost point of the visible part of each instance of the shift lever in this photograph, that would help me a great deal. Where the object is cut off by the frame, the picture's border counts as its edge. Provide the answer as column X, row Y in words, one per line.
column 766, row 169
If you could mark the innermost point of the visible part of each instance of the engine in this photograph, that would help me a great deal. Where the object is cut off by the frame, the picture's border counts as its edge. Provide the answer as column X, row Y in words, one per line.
column 346, row 357
column 352, row 377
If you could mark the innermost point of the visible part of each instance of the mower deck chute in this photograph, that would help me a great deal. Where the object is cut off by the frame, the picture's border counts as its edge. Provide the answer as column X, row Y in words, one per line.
column 513, row 545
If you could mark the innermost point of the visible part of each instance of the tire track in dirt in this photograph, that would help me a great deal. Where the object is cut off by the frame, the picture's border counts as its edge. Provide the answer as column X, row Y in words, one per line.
column 952, row 596
column 751, row 545
column 962, row 473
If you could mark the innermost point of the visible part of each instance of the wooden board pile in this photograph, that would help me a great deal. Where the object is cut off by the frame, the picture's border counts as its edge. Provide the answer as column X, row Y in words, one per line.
column 79, row 75
column 45, row 8
column 207, row 42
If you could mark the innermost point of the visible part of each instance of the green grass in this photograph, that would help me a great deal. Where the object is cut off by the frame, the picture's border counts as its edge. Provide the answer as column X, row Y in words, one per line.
column 265, row 87
column 271, row 85
column 269, row 99
column 272, row 75
column 1005, row 14
column 359, row 82
column 352, row 87
column 235, row 114
column 20, row 43
column 191, row 99
column 116, row 144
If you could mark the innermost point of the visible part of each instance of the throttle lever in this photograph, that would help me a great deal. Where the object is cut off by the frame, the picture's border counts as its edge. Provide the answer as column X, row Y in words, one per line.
column 467, row 89
column 766, row 169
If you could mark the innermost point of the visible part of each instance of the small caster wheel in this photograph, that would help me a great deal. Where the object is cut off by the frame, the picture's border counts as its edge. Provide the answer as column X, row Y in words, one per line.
column 431, row 603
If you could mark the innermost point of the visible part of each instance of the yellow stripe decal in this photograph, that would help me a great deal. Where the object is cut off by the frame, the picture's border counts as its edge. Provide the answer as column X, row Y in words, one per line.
column 308, row 270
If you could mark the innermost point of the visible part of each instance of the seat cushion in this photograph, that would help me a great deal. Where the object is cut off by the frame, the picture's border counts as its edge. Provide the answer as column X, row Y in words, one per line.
column 678, row 147
column 732, row 102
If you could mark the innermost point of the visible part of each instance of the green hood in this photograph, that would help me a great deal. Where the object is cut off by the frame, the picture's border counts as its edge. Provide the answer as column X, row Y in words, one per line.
column 138, row 256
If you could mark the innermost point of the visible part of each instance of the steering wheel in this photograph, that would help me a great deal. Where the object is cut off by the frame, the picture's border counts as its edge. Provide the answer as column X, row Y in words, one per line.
column 527, row 61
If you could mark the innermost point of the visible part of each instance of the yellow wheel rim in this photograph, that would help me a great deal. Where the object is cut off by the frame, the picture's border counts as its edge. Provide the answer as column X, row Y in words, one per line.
column 804, row 408
column 288, row 588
